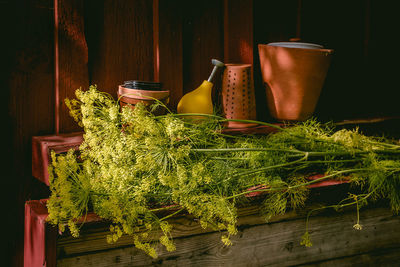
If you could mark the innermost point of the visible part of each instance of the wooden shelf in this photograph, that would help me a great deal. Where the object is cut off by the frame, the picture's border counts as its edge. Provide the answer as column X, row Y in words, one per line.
column 334, row 239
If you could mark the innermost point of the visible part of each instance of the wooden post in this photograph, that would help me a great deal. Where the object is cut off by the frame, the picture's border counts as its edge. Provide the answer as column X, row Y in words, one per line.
column 168, row 62
column 70, row 59
column 238, row 31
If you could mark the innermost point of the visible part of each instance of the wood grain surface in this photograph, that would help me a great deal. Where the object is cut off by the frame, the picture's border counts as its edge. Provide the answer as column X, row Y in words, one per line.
column 362, row 82
column 71, row 60
column 264, row 244
column 167, row 28
column 121, row 42
column 27, row 81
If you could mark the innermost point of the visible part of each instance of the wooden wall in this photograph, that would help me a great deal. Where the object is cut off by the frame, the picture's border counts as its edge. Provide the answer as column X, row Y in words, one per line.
column 52, row 47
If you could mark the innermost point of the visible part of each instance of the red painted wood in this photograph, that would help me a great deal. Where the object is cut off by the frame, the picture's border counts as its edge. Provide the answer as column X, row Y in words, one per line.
column 325, row 183
column 39, row 237
column 42, row 147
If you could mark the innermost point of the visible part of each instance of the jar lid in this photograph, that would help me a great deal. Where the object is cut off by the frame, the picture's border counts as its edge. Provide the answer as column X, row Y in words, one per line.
column 143, row 85
column 297, row 45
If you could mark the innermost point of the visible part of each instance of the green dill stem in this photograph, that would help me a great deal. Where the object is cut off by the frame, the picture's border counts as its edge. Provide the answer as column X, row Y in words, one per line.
column 311, row 162
column 310, row 153
column 172, row 214
column 270, row 167
column 333, row 161
column 387, row 145
column 222, row 119
column 339, row 206
column 164, row 208
column 358, row 211
column 296, row 186
column 216, row 150
column 227, row 158
column 344, row 153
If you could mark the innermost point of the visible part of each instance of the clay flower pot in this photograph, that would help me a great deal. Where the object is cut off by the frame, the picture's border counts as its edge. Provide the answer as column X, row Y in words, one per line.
column 238, row 98
column 147, row 97
column 293, row 76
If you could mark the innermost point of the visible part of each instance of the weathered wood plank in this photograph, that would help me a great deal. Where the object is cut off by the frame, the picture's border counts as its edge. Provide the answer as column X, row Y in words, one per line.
column 93, row 236
column 39, row 237
column 202, row 40
column 273, row 244
column 379, row 257
column 26, row 80
column 120, row 39
column 71, row 59
column 94, row 239
column 167, row 28
column 238, row 31
column 42, row 147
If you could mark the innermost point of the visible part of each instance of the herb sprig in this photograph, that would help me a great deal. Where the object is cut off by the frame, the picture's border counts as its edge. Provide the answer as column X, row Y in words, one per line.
column 136, row 170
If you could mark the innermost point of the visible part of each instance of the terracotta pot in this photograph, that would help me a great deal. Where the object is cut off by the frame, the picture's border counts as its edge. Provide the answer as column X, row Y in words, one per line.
column 293, row 76
column 133, row 96
column 238, row 99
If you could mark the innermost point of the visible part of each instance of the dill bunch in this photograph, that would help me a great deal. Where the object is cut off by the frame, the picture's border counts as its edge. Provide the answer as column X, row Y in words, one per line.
column 136, row 170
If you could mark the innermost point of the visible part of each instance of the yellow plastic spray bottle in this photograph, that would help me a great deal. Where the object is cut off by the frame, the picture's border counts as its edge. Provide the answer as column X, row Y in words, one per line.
column 199, row 100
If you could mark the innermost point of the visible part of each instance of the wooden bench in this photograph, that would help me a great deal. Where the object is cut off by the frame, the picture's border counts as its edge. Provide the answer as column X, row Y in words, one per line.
column 258, row 243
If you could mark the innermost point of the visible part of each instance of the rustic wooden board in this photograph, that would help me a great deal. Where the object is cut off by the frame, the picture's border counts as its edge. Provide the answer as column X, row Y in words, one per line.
column 42, row 147
column 95, row 230
column 39, row 237
column 273, row 244
column 379, row 257
column 94, row 238
column 26, row 80
column 167, row 28
column 120, row 39
column 71, row 59
column 28, row 70
column 238, row 31
column 202, row 40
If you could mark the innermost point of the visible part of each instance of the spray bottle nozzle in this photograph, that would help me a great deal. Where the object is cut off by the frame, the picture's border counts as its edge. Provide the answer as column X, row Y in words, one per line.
column 217, row 64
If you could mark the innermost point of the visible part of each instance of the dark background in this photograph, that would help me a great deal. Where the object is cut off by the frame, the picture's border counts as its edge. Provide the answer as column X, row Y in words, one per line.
column 49, row 48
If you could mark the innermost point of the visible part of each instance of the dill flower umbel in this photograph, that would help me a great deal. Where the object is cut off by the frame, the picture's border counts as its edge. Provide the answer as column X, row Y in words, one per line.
column 137, row 170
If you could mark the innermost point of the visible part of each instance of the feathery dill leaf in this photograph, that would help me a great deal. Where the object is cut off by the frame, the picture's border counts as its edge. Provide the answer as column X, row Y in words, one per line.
column 137, row 170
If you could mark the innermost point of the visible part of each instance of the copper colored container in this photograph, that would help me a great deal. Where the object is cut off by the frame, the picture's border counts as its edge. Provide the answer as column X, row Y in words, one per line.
column 238, row 99
column 293, row 76
column 147, row 97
